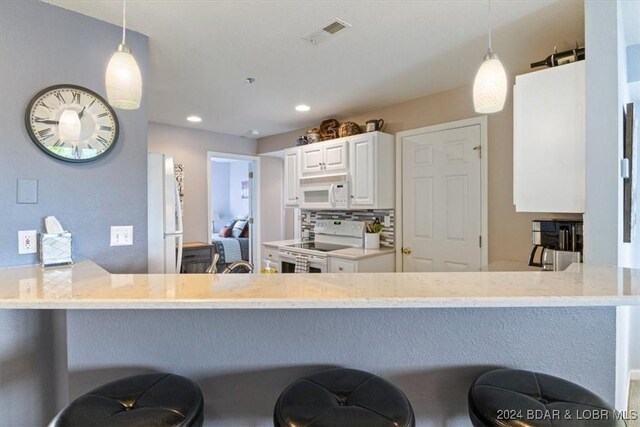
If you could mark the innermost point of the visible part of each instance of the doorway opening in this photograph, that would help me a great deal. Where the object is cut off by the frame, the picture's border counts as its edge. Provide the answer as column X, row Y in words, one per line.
column 233, row 207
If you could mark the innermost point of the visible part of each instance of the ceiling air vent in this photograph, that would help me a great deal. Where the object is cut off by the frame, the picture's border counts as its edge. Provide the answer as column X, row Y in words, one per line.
column 327, row 30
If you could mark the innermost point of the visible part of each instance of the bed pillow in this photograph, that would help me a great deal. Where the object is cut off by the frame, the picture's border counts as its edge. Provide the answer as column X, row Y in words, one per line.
column 238, row 228
column 245, row 232
column 226, row 231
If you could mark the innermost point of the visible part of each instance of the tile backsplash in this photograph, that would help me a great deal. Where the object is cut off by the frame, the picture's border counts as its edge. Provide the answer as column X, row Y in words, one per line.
column 309, row 218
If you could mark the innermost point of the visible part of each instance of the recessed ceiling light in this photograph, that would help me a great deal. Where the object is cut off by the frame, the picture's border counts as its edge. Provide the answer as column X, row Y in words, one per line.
column 249, row 80
column 194, row 119
column 302, row 107
column 254, row 132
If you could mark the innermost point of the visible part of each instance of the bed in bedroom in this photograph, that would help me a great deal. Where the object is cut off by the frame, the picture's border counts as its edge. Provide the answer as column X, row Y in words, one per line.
column 232, row 242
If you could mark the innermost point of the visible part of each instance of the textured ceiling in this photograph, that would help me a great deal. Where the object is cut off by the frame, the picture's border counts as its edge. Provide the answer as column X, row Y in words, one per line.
column 201, row 52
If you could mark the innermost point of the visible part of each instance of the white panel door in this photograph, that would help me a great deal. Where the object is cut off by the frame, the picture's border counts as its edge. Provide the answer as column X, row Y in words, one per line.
column 362, row 168
column 291, row 197
column 311, row 158
column 335, row 156
column 441, row 206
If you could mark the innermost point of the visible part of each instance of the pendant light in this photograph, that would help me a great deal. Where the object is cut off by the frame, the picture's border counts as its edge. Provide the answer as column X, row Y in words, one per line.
column 490, row 84
column 123, row 79
column 69, row 126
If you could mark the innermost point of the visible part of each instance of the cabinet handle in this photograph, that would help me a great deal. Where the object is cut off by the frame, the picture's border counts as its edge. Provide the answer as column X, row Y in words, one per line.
column 270, row 255
column 340, row 268
column 352, row 196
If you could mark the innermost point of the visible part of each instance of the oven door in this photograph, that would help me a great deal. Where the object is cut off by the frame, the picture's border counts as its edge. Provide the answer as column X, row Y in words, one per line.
column 288, row 263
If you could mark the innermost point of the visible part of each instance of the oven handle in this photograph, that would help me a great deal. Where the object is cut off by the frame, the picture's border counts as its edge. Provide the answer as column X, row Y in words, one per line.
column 289, row 256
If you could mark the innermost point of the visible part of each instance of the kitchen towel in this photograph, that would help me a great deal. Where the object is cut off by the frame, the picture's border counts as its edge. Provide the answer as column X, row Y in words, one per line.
column 302, row 264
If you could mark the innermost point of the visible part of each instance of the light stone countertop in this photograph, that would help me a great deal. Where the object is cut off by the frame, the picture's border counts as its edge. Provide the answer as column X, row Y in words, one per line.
column 347, row 253
column 276, row 243
column 360, row 253
column 85, row 285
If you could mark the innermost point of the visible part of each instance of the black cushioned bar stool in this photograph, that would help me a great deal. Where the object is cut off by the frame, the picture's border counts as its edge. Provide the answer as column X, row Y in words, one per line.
column 510, row 397
column 158, row 400
column 343, row 398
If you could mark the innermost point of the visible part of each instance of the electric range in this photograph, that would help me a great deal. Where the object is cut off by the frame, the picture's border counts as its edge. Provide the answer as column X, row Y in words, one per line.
column 330, row 235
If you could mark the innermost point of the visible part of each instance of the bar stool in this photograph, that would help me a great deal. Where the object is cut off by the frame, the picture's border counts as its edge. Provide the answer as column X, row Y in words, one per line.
column 160, row 400
column 343, row 398
column 511, row 397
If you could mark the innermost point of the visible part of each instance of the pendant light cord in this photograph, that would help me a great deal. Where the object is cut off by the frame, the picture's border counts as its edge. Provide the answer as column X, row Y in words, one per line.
column 124, row 18
column 489, row 24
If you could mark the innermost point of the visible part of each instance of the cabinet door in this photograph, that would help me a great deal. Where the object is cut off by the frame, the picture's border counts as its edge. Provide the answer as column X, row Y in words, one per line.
column 335, row 156
column 549, row 140
column 270, row 255
column 337, row 265
column 362, row 168
column 312, row 159
column 291, row 165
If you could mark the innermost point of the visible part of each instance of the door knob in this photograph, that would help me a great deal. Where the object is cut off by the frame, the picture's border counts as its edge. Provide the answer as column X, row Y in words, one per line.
column 406, row 251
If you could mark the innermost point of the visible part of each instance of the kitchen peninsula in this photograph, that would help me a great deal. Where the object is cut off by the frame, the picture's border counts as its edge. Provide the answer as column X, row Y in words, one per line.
column 431, row 334
column 85, row 285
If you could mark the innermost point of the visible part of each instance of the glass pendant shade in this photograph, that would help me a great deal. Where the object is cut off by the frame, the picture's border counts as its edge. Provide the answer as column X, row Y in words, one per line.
column 490, row 85
column 69, row 126
column 123, row 80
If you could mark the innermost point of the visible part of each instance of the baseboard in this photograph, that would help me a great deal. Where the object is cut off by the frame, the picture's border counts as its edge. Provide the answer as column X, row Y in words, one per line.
column 634, row 374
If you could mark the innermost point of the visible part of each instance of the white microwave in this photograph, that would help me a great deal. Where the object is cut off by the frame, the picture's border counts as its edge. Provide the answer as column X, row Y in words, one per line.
column 324, row 192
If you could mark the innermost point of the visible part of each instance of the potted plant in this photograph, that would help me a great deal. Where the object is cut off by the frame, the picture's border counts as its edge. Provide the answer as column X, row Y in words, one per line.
column 372, row 234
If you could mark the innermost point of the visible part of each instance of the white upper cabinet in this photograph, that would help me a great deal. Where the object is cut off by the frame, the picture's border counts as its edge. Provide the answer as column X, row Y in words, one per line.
column 366, row 160
column 325, row 157
column 549, row 140
column 335, row 156
column 311, row 159
column 372, row 171
column 291, row 168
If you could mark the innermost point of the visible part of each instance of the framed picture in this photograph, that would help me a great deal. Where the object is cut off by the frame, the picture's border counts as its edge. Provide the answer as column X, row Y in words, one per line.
column 244, row 189
column 630, row 199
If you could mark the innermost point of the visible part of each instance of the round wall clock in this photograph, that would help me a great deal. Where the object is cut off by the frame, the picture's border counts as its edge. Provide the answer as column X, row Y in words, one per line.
column 72, row 123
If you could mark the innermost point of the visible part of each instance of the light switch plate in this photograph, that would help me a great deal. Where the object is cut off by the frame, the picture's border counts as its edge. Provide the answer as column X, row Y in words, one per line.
column 27, row 242
column 27, row 191
column 121, row 235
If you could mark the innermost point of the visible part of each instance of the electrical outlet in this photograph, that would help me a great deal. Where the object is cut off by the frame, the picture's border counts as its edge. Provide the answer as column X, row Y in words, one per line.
column 122, row 235
column 27, row 243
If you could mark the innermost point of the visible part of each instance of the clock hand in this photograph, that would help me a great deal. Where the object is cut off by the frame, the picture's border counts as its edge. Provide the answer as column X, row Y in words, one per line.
column 81, row 113
column 48, row 122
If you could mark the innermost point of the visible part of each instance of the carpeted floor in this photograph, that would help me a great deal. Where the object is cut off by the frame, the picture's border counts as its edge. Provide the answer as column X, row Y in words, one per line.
column 634, row 402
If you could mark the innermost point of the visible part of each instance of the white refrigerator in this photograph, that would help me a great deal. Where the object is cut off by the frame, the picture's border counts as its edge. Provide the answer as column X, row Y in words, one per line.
column 164, row 216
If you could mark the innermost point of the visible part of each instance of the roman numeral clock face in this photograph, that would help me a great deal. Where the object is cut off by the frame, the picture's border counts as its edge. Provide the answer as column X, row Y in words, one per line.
column 72, row 123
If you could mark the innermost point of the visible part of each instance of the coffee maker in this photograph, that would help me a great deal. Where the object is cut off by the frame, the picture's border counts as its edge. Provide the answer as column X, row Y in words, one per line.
column 557, row 243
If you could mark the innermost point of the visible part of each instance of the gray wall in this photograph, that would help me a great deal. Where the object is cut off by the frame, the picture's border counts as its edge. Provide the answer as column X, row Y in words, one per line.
column 272, row 213
column 43, row 45
column 243, row 359
column 189, row 147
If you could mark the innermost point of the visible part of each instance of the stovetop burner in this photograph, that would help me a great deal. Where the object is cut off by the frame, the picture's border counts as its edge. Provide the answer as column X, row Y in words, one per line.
column 317, row 246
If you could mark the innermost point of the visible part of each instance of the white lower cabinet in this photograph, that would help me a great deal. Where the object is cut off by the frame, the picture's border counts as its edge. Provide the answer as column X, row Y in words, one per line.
column 376, row 264
column 270, row 254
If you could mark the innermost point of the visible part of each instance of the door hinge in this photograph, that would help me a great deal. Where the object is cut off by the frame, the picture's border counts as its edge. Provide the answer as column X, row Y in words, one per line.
column 478, row 148
column 480, row 241
column 250, row 175
column 251, row 221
